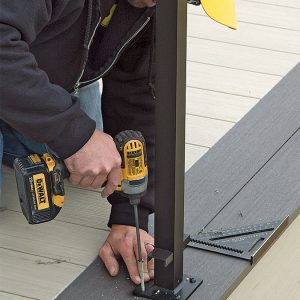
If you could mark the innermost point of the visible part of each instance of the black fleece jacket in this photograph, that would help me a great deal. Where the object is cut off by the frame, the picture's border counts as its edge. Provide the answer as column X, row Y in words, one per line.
column 44, row 47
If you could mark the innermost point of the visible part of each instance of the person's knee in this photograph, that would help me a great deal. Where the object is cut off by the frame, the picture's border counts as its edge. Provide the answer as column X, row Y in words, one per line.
column 90, row 103
column 12, row 147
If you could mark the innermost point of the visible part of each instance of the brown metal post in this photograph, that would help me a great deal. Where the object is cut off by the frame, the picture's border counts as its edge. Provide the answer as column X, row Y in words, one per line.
column 171, row 18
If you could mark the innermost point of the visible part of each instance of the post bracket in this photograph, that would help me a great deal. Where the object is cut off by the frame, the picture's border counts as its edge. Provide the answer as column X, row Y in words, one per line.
column 182, row 292
column 167, row 256
column 163, row 255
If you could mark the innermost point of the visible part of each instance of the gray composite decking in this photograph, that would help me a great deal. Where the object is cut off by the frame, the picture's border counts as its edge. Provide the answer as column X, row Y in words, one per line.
column 250, row 176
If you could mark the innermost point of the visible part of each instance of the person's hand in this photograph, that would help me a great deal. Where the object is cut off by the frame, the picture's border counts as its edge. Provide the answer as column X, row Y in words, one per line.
column 122, row 242
column 97, row 161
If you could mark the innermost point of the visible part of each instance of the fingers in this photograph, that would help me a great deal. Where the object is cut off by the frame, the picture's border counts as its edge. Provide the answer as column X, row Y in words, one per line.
column 122, row 242
column 145, row 258
column 98, row 181
column 113, row 180
column 74, row 178
column 151, row 268
column 97, row 160
column 108, row 257
column 149, row 248
column 129, row 257
column 86, row 181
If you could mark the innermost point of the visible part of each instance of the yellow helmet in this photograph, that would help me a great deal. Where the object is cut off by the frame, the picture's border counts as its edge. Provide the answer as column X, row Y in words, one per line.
column 222, row 11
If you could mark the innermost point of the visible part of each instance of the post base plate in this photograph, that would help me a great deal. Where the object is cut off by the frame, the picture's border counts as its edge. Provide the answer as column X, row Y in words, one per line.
column 184, row 290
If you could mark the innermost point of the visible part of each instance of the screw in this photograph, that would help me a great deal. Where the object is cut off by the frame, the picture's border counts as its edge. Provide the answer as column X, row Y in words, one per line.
column 192, row 280
column 156, row 292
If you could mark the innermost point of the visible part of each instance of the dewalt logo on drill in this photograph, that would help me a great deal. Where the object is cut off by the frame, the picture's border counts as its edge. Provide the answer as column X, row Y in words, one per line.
column 40, row 191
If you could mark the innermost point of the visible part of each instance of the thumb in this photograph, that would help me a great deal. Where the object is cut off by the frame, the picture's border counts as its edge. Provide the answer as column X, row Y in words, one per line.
column 108, row 257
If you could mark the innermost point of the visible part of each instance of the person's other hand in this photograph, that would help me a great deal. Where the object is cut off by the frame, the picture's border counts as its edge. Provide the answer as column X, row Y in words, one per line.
column 96, row 162
column 122, row 242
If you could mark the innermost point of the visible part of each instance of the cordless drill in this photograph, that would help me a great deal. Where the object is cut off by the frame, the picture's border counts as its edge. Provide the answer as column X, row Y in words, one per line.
column 41, row 188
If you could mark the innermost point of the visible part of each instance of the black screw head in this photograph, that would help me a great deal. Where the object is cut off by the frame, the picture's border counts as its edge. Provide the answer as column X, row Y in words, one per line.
column 156, row 292
column 192, row 280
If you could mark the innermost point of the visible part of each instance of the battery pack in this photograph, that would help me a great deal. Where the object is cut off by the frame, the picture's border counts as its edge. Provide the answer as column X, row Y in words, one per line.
column 34, row 188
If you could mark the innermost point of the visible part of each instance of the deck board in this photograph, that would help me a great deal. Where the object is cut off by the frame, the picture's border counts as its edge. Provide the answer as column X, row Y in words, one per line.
column 218, row 106
column 209, row 131
column 224, row 54
column 68, row 242
column 9, row 296
column 286, row 3
column 251, row 35
column 193, row 153
column 33, row 277
column 243, row 83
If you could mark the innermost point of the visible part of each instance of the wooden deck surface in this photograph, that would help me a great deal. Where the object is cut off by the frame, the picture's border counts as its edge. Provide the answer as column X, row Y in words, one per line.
column 228, row 72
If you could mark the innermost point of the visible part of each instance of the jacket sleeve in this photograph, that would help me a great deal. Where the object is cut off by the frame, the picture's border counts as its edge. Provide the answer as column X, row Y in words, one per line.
column 29, row 103
column 128, row 103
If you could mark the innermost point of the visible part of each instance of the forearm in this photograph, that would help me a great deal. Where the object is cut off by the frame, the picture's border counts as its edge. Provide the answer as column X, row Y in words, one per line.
column 29, row 102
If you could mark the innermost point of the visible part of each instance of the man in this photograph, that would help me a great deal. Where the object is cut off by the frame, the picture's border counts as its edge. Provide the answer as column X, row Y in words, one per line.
column 52, row 54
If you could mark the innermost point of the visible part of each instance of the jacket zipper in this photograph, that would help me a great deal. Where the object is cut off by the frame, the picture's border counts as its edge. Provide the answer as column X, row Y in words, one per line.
column 117, row 55
column 76, row 86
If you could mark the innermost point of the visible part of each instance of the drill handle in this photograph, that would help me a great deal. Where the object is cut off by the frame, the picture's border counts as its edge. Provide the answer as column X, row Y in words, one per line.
column 60, row 165
column 58, row 172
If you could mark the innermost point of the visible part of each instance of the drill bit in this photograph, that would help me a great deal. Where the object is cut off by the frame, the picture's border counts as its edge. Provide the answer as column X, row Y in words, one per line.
column 140, row 261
